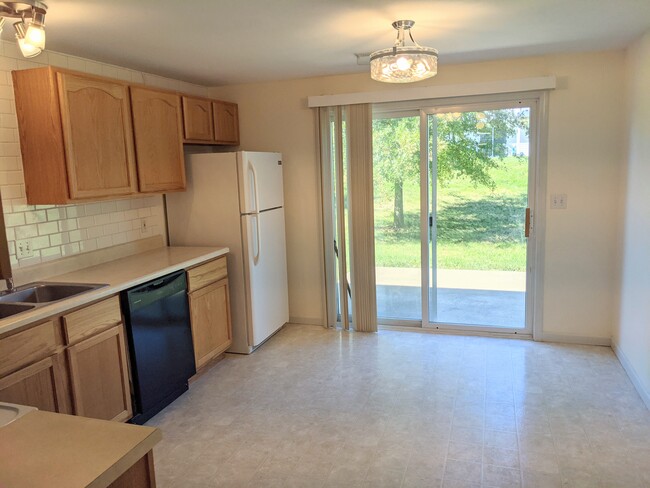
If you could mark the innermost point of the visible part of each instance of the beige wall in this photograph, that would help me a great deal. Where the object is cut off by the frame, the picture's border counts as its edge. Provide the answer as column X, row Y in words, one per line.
column 632, row 330
column 584, row 160
column 58, row 231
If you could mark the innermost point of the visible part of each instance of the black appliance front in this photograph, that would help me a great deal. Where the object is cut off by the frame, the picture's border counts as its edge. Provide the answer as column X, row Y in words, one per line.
column 160, row 341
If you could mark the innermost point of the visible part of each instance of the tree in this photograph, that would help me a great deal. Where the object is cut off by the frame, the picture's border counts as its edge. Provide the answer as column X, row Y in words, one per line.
column 469, row 145
column 396, row 156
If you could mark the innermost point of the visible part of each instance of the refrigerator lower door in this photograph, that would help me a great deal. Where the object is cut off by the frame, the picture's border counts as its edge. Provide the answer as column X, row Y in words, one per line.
column 265, row 264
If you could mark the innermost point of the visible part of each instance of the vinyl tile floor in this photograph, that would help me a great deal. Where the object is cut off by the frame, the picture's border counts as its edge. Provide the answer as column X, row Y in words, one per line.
column 324, row 408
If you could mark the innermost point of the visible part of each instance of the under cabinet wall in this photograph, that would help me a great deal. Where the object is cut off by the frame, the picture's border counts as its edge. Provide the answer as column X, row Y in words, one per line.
column 58, row 231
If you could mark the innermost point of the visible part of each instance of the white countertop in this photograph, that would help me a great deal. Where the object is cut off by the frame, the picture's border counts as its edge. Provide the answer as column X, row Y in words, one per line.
column 118, row 275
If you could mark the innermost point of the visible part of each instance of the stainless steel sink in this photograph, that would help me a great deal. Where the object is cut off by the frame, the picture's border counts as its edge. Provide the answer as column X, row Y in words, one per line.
column 9, row 309
column 43, row 293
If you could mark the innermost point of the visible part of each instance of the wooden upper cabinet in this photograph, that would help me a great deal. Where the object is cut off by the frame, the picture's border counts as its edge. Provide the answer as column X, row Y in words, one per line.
column 158, row 130
column 76, row 137
column 97, row 132
column 198, row 119
column 226, row 122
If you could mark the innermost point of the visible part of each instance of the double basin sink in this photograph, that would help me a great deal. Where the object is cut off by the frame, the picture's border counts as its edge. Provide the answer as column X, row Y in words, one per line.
column 38, row 294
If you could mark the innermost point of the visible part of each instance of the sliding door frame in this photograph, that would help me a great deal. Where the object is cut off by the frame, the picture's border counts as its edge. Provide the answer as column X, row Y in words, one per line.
column 538, row 104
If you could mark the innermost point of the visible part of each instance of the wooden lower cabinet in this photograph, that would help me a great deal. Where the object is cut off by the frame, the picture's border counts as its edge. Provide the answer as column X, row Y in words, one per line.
column 42, row 385
column 140, row 475
column 99, row 376
column 210, row 316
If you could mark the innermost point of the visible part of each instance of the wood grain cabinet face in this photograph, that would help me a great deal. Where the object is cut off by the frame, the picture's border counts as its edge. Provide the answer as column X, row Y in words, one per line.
column 226, row 123
column 99, row 376
column 98, row 138
column 197, row 119
column 158, row 131
column 210, row 316
column 41, row 385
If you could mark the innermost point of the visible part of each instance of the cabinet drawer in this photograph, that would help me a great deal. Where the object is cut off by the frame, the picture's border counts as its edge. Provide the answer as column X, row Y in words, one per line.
column 29, row 346
column 91, row 320
column 206, row 273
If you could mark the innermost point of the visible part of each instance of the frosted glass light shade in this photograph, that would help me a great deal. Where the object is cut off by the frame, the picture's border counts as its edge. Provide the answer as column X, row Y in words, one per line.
column 401, row 64
column 35, row 35
column 28, row 50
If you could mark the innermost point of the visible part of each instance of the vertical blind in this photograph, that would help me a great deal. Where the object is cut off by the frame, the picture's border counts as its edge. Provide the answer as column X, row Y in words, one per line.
column 348, row 217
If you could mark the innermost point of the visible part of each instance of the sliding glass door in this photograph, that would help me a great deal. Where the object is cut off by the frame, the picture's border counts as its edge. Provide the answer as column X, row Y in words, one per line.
column 453, row 186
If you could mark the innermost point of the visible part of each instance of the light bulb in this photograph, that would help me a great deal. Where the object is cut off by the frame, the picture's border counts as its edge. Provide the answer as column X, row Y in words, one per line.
column 35, row 35
column 27, row 49
column 403, row 63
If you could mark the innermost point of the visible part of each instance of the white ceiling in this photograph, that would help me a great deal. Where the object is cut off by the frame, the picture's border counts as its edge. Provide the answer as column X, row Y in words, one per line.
column 218, row 42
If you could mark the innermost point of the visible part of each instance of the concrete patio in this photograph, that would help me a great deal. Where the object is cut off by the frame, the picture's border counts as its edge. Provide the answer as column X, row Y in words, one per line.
column 487, row 298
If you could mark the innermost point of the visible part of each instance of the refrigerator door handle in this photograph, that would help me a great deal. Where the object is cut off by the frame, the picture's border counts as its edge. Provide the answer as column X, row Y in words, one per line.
column 255, row 195
column 258, row 240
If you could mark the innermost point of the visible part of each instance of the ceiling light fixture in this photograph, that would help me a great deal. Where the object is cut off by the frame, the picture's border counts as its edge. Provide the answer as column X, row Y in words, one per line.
column 403, row 64
column 30, row 30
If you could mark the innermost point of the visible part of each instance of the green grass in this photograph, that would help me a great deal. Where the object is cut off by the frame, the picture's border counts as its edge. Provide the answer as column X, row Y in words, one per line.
column 477, row 228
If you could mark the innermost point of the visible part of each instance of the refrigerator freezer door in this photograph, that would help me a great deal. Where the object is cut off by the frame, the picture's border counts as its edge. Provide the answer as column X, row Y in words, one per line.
column 266, row 269
column 260, row 181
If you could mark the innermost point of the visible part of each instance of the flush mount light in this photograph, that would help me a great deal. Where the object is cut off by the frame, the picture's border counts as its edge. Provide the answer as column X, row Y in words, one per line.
column 30, row 30
column 401, row 63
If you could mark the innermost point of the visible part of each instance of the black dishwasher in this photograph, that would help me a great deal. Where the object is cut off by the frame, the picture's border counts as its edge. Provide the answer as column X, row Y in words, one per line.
column 160, row 341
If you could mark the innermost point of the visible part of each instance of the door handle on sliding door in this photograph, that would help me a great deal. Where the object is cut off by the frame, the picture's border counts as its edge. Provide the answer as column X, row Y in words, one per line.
column 527, row 229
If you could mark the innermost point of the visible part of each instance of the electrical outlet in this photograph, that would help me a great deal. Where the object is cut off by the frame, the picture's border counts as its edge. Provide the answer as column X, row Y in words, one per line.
column 144, row 227
column 24, row 249
column 558, row 200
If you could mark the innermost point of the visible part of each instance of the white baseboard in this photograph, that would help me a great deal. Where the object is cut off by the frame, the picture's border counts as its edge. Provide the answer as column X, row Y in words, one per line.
column 306, row 321
column 631, row 372
column 584, row 340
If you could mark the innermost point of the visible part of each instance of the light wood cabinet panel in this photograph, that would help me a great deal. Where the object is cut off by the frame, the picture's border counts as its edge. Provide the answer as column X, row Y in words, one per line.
column 226, row 122
column 92, row 319
column 98, row 137
column 28, row 346
column 41, row 385
column 140, row 475
column 158, row 130
column 76, row 137
column 210, row 317
column 207, row 273
column 99, row 376
column 197, row 119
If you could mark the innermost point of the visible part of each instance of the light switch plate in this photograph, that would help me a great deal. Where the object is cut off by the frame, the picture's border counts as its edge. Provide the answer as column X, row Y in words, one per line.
column 558, row 201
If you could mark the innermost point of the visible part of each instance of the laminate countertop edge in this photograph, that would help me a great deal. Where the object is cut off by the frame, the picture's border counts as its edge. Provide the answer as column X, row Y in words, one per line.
column 119, row 275
column 43, row 449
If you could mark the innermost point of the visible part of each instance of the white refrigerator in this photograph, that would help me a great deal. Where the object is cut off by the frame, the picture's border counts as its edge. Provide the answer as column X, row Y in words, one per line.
column 236, row 200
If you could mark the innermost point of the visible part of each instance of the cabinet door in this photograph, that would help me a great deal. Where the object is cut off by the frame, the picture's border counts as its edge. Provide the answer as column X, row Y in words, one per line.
column 197, row 119
column 99, row 376
column 98, row 138
column 226, row 122
column 210, row 316
column 158, row 129
column 41, row 385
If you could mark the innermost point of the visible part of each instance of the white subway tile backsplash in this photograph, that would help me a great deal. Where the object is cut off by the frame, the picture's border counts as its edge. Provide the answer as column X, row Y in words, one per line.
column 56, row 213
column 105, row 241
column 94, row 232
column 102, row 219
column 35, row 216
column 69, row 249
column 26, row 231
column 14, row 219
column 48, row 228
column 63, row 230
column 40, row 242
column 93, row 208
